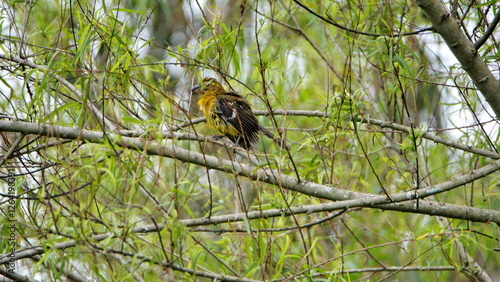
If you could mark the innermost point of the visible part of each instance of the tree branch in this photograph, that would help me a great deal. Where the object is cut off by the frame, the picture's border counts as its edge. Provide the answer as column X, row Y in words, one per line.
column 38, row 250
column 278, row 179
column 383, row 124
column 329, row 21
column 106, row 122
column 392, row 125
column 14, row 276
column 488, row 32
column 463, row 50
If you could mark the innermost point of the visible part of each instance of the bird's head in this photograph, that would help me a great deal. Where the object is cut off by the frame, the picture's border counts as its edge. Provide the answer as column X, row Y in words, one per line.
column 208, row 84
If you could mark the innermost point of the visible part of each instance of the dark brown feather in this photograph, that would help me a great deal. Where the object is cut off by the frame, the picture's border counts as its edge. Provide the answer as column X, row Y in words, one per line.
column 233, row 109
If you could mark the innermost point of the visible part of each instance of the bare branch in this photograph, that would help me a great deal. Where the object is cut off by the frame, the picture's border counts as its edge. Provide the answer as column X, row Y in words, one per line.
column 329, row 21
column 14, row 276
column 276, row 178
column 392, row 125
column 464, row 51
column 488, row 32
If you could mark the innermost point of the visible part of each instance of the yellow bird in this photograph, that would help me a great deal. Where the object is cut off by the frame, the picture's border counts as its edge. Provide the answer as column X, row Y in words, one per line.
column 230, row 114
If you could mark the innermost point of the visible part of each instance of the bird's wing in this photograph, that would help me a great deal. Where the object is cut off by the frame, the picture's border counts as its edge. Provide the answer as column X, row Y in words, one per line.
column 234, row 110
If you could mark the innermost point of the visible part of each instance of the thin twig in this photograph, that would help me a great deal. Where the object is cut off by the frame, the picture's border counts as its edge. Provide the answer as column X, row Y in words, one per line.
column 98, row 114
column 357, row 31
column 488, row 32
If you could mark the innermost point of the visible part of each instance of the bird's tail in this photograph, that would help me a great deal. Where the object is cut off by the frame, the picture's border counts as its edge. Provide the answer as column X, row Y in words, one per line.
column 280, row 142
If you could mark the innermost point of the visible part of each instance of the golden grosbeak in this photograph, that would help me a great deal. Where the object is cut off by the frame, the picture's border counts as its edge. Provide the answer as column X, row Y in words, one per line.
column 230, row 114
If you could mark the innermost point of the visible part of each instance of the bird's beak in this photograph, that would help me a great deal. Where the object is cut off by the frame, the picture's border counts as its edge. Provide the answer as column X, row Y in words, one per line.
column 196, row 88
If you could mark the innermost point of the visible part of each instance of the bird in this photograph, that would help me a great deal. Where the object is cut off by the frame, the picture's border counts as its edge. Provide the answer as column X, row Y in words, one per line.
column 230, row 114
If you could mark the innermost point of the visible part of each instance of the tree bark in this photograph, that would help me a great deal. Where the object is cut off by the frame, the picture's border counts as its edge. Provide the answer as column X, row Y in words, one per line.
column 464, row 51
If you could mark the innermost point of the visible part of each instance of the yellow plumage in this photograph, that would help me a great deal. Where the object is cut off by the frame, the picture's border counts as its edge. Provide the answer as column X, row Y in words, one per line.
column 231, row 115
column 227, row 112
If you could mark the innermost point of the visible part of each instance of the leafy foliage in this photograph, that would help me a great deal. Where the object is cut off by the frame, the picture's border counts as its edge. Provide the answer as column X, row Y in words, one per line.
column 362, row 91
